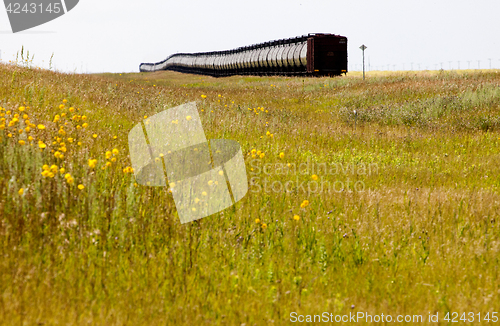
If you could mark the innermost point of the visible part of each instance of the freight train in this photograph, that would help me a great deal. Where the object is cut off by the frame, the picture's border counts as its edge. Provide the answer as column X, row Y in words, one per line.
column 307, row 55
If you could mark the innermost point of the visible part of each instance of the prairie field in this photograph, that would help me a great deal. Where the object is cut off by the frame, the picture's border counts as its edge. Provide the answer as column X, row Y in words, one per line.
column 376, row 196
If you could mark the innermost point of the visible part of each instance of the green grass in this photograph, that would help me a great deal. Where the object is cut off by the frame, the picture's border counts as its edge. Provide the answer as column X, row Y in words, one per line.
column 422, row 237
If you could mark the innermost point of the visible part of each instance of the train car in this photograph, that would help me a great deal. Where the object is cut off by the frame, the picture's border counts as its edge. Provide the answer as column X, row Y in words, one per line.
column 307, row 55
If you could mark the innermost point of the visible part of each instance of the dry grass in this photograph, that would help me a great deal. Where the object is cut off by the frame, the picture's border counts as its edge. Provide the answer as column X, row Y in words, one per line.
column 422, row 237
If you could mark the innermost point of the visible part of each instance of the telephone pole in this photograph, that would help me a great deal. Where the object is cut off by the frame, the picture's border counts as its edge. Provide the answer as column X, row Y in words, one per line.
column 363, row 48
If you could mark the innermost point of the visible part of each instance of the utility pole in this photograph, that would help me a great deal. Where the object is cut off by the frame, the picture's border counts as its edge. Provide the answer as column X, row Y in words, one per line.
column 478, row 64
column 458, row 65
column 490, row 62
column 468, row 64
column 363, row 48
column 449, row 62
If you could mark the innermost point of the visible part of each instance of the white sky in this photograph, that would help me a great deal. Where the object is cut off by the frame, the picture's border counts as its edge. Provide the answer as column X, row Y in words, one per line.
column 116, row 36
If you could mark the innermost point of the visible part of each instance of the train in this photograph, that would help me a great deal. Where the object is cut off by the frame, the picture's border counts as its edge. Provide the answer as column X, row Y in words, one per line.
column 314, row 54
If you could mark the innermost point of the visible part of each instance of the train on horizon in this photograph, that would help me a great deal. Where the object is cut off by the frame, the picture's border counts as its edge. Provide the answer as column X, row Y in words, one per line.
column 314, row 54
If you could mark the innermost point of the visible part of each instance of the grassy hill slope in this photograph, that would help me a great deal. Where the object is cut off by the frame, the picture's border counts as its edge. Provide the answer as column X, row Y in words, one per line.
column 376, row 196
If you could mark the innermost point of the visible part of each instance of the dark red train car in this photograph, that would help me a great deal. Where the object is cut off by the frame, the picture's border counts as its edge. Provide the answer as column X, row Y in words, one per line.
column 326, row 54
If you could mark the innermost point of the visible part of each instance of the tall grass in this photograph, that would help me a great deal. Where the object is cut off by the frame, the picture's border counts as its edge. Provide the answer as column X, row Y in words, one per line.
column 420, row 236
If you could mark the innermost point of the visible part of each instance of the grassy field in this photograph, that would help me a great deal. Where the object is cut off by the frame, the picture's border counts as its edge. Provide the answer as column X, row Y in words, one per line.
column 375, row 196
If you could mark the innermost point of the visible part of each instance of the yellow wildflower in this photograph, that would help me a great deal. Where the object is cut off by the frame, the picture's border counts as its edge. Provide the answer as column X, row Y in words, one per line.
column 81, row 187
column 92, row 163
column 21, row 191
column 282, row 155
column 41, row 127
column 314, row 177
column 115, row 151
column 296, row 217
